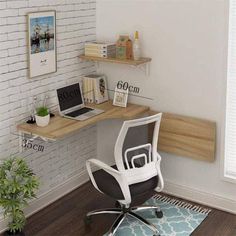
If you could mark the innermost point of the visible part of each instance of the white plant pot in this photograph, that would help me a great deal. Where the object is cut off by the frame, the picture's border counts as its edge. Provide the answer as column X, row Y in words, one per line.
column 42, row 120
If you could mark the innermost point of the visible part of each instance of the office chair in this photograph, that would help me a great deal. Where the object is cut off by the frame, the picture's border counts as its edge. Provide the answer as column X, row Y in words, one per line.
column 137, row 171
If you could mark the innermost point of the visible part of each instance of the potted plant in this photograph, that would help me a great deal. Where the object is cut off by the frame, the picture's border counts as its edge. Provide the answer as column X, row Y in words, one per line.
column 42, row 116
column 18, row 185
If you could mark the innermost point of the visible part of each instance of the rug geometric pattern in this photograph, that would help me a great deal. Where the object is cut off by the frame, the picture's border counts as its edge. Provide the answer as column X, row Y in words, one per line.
column 179, row 218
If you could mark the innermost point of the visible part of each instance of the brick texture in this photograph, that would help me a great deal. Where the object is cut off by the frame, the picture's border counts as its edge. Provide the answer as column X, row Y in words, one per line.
column 76, row 24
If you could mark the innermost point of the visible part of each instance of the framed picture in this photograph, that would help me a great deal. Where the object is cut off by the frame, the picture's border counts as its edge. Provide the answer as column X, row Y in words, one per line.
column 120, row 97
column 42, row 43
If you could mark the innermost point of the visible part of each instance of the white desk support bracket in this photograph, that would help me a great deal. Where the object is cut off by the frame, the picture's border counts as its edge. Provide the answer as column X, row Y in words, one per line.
column 22, row 138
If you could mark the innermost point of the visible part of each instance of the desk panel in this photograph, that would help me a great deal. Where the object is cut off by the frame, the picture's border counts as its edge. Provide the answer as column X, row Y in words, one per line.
column 60, row 127
column 187, row 136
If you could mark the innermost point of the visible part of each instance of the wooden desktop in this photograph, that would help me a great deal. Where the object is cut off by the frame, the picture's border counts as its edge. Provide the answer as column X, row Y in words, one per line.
column 60, row 127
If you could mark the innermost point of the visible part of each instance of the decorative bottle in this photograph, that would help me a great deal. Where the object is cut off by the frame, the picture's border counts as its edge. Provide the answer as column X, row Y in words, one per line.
column 136, row 47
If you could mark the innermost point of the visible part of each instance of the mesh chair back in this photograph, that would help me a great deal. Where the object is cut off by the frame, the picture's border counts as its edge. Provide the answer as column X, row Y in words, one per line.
column 134, row 155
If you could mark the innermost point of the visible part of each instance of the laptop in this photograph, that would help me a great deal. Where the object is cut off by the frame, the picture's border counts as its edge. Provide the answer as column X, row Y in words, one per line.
column 71, row 103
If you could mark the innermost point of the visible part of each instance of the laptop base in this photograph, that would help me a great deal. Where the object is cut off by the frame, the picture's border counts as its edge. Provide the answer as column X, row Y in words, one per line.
column 87, row 113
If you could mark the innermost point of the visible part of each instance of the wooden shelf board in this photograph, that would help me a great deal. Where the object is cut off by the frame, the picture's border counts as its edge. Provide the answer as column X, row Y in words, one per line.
column 118, row 61
column 60, row 127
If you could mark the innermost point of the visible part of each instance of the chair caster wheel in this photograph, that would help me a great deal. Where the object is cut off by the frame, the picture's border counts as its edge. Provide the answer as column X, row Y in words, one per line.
column 87, row 220
column 159, row 214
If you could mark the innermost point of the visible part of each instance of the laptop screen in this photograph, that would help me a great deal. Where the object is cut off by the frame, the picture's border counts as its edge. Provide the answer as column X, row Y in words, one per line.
column 69, row 96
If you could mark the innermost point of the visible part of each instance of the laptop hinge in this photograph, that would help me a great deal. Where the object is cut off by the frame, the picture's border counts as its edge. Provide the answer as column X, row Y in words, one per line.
column 73, row 109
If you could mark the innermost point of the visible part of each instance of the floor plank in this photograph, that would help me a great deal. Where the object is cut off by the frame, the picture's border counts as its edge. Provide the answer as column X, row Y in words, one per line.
column 65, row 217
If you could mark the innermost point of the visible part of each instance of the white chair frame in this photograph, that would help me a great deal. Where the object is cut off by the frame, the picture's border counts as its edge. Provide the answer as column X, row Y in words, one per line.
column 128, row 174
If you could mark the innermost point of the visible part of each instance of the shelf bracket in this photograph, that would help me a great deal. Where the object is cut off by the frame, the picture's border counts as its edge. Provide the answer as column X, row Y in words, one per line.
column 143, row 67
column 142, row 63
column 23, row 141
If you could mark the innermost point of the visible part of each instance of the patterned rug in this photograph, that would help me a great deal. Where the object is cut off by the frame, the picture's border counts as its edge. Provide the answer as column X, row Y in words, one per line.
column 179, row 218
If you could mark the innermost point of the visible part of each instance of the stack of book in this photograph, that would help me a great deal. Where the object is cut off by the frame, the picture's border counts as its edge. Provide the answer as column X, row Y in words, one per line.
column 96, row 49
column 95, row 88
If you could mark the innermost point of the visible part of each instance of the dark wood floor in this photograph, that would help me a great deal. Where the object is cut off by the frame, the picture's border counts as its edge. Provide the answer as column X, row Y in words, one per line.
column 65, row 217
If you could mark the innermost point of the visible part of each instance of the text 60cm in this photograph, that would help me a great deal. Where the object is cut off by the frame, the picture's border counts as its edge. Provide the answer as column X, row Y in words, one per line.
column 127, row 86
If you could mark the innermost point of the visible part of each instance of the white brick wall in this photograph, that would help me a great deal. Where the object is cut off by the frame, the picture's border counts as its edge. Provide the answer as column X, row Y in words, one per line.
column 63, row 159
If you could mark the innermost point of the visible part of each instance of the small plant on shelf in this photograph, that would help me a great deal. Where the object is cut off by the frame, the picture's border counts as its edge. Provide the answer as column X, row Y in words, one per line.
column 42, row 111
column 42, row 116
column 18, row 185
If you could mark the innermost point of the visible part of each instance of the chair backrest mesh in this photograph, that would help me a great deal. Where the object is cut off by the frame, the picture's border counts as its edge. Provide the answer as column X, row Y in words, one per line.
column 135, row 133
column 135, row 136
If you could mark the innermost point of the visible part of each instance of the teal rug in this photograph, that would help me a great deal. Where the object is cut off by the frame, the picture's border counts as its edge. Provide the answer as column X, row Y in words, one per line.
column 179, row 218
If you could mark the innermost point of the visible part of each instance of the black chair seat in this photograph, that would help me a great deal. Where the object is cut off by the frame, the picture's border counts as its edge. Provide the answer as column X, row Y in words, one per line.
column 108, row 185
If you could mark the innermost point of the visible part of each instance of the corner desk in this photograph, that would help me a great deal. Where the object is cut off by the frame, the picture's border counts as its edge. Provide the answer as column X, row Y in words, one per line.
column 60, row 127
column 180, row 135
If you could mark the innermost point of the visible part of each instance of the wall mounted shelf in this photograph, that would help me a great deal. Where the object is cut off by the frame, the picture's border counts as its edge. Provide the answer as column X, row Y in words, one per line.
column 142, row 63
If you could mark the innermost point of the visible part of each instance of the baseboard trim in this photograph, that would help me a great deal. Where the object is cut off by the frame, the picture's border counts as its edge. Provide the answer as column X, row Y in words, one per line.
column 205, row 198
column 51, row 196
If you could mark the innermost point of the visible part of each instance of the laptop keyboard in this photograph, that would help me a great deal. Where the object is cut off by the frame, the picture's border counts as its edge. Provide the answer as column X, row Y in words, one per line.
column 79, row 112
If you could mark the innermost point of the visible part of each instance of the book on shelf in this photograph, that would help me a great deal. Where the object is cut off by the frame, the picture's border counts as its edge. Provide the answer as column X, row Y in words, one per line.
column 98, row 51
column 104, row 55
column 85, row 89
column 95, row 88
column 103, row 50
column 88, row 91
column 100, row 45
column 100, row 89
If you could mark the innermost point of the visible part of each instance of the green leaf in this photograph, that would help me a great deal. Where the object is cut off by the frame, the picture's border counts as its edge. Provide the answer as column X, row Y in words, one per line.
column 42, row 111
column 18, row 185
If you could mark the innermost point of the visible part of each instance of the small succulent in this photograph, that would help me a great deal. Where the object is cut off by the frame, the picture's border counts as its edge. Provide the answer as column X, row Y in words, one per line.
column 42, row 111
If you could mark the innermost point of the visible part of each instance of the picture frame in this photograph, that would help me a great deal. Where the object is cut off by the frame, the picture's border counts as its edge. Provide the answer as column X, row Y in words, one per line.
column 42, row 58
column 120, row 97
